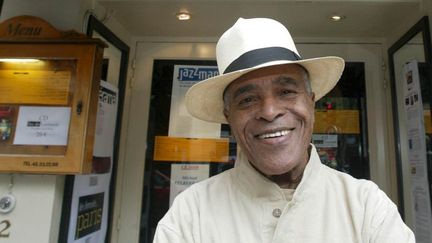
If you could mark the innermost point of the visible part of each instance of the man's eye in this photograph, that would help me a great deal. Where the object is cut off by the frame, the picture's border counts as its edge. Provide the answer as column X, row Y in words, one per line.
column 288, row 92
column 246, row 101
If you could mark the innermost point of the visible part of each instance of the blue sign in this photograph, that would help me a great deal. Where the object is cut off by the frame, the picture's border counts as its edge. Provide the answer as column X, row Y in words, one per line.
column 196, row 73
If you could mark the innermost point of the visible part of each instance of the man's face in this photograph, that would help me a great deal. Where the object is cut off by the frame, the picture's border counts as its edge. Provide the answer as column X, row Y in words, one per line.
column 271, row 115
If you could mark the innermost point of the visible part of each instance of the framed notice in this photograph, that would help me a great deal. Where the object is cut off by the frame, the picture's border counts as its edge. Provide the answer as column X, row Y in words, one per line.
column 181, row 150
column 417, row 152
column 410, row 66
column 85, row 213
column 185, row 175
column 105, row 151
column 49, row 83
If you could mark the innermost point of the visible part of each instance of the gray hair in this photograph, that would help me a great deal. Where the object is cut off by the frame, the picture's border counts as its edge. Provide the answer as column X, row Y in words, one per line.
column 307, row 80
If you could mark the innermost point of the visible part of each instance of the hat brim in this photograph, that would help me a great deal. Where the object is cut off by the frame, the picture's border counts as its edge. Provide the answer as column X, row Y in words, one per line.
column 204, row 100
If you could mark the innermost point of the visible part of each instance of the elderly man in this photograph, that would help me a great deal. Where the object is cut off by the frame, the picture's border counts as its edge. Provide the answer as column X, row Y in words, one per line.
column 278, row 191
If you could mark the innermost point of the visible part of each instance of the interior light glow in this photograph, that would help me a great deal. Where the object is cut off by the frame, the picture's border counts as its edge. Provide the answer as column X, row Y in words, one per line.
column 183, row 16
column 336, row 18
column 19, row 60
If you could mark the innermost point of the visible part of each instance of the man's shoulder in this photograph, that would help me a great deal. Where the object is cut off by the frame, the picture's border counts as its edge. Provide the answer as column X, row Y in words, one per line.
column 347, row 181
column 216, row 180
column 360, row 195
column 208, row 186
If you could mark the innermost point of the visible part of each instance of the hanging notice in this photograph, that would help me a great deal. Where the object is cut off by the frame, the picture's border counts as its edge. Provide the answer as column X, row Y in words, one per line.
column 89, row 206
column 417, row 153
column 185, row 175
column 181, row 123
column 41, row 125
column 326, row 145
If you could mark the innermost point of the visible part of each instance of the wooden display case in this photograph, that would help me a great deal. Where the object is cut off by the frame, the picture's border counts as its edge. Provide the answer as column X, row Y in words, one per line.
column 49, row 85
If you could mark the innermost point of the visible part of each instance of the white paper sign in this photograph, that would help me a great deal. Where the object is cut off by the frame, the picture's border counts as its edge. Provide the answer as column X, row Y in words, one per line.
column 185, row 175
column 417, row 153
column 181, row 123
column 42, row 125
column 89, row 206
column 325, row 140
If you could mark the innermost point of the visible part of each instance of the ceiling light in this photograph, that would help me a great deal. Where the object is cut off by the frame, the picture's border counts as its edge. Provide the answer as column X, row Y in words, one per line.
column 183, row 16
column 337, row 18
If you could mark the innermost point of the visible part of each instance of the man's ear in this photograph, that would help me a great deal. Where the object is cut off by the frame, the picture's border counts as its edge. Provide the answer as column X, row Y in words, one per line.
column 226, row 114
column 312, row 96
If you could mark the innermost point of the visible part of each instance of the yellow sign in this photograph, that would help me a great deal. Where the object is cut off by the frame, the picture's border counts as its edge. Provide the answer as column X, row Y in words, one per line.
column 427, row 121
column 337, row 121
column 191, row 149
column 34, row 87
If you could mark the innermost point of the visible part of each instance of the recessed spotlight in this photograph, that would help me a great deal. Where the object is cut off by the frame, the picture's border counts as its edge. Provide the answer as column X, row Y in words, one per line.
column 183, row 16
column 337, row 17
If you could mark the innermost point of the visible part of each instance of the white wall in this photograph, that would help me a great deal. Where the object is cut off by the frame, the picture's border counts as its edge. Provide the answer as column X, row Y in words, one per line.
column 61, row 13
column 36, row 217
column 427, row 5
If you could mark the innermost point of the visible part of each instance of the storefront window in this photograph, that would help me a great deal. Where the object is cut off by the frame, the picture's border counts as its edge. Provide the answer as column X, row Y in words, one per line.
column 182, row 151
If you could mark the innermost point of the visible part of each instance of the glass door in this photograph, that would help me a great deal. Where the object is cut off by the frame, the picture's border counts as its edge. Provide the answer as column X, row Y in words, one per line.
column 169, row 169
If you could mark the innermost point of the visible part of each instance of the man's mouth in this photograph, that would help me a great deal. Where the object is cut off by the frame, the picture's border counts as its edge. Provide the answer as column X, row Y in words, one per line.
column 274, row 134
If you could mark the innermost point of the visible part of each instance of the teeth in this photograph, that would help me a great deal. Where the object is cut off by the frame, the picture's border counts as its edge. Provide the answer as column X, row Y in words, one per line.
column 273, row 135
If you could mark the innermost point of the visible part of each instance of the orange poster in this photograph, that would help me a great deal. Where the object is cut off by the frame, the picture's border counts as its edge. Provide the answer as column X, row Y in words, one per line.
column 337, row 121
column 427, row 121
column 176, row 149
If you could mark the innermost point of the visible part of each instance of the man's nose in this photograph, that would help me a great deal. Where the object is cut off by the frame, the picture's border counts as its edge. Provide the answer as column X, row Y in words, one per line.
column 269, row 110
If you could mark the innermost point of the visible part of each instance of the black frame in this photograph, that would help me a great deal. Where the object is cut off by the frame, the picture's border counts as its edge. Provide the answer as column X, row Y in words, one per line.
column 161, row 87
column 422, row 26
column 94, row 25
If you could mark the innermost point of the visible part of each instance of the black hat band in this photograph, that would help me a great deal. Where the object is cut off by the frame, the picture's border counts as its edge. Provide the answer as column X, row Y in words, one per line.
column 259, row 56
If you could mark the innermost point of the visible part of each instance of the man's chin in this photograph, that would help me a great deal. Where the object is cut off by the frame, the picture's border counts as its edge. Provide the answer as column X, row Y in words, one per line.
column 273, row 170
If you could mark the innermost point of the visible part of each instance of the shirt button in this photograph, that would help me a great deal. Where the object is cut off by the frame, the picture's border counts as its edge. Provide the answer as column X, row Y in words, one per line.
column 277, row 212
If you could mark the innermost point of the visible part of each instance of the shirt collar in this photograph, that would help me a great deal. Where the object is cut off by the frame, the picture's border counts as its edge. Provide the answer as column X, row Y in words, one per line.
column 258, row 186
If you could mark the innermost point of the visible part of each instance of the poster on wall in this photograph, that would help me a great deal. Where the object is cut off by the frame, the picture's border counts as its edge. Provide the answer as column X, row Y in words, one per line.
column 89, row 206
column 413, row 105
column 184, row 176
column 181, row 123
column 326, row 145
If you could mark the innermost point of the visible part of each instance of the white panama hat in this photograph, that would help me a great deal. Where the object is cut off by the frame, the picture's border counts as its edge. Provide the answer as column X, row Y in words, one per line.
column 248, row 45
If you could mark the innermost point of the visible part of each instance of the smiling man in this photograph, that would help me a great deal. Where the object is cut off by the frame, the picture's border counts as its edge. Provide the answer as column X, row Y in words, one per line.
column 278, row 191
column 271, row 113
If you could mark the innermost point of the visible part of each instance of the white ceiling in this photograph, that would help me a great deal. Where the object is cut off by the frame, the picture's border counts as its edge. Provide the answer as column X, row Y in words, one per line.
column 210, row 18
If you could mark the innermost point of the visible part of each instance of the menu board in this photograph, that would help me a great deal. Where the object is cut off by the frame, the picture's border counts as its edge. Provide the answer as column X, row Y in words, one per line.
column 49, row 85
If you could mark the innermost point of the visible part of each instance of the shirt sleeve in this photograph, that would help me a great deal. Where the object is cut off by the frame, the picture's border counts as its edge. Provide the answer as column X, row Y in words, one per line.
column 177, row 225
column 164, row 234
column 384, row 222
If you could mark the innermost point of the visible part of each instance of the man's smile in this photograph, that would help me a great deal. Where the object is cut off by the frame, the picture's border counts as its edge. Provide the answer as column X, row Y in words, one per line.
column 274, row 134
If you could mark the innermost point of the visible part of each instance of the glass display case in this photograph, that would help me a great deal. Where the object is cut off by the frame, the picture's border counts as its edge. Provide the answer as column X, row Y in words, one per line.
column 49, row 85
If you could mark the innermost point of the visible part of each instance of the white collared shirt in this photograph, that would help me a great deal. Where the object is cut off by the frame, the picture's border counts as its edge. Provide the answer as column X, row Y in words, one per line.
column 242, row 206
